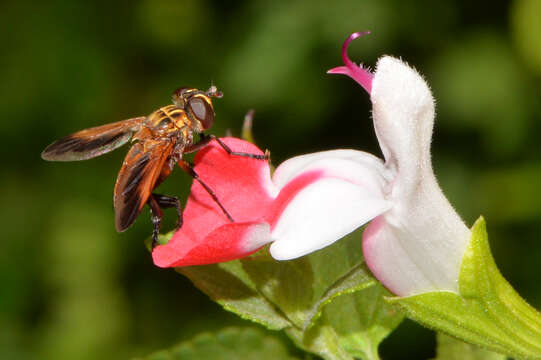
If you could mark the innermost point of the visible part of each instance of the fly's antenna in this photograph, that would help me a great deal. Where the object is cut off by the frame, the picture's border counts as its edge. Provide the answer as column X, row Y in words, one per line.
column 214, row 92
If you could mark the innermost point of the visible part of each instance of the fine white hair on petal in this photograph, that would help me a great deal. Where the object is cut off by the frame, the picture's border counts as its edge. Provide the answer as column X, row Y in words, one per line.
column 403, row 112
column 417, row 245
column 322, row 213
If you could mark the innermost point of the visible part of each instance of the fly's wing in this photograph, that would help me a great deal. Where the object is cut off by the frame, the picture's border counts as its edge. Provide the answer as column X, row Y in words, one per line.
column 137, row 178
column 89, row 143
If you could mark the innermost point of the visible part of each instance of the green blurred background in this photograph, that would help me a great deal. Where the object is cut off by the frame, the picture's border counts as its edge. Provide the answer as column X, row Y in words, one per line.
column 72, row 288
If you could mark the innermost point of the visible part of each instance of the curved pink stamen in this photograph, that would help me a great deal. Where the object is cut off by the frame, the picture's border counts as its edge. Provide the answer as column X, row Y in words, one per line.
column 362, row 76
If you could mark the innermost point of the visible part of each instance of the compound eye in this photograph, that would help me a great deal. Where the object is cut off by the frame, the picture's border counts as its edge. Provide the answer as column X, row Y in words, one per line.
column 202, row 111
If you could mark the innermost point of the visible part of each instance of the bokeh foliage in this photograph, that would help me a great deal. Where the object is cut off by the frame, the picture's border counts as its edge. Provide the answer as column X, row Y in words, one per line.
column 74, row 288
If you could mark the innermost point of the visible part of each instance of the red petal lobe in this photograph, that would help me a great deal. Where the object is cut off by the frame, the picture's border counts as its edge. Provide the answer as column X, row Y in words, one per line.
column 244, row 188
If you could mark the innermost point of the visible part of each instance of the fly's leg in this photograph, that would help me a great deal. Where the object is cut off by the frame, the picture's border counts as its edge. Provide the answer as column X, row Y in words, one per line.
column 266, row 156
column 205, row 139
column 187, row 167
column 166, row 202
column 156, row 215
column 157, row 202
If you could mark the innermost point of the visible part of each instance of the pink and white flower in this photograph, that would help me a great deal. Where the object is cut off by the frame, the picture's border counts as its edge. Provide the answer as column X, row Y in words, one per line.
column 310, row 202
column 414, row 242
column 417, row 245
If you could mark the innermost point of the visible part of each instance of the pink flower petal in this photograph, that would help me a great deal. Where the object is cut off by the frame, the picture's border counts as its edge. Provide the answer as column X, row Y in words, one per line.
column 227, row 242
column 362, row 76
column 243, row 187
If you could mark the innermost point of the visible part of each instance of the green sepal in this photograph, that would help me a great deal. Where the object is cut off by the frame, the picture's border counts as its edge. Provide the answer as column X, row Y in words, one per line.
column 247, row 133
column 162, row 240
column 487, row 311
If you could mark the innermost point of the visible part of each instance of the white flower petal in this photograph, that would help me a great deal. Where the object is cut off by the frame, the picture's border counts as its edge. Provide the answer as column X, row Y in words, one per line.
column 403, row 112
column 410, row 262
column 322, row 213
column 348, row 192
column 418, row 245
column 356, row 166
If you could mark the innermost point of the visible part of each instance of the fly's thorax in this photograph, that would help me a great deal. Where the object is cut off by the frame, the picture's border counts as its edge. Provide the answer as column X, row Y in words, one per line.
column 168, row 121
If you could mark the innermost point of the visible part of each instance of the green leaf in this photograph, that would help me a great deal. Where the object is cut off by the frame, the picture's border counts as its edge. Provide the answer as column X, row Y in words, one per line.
column 227, row 344
column 294, row 294
column 450, row 348
column 229, row 285
column 287, row 284
column 362, row 320
column 322, row 340
column 487, row 311
column 278, row 294
column 350, row 326
column 355, row 280
column 302, row 287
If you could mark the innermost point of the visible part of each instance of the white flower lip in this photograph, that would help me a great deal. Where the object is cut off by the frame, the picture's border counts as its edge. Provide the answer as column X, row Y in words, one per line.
column 345, row 195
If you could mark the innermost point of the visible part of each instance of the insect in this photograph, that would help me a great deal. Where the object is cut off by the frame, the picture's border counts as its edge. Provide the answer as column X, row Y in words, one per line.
column 159, row 141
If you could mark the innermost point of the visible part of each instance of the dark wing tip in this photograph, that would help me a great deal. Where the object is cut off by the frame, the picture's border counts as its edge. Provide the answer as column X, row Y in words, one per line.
column 45, row 155
column 68, row 148
column 129, row 200
column 54, row 151
column 126, row 217
column 121, row 225
column 90, row 143
column 135, row 182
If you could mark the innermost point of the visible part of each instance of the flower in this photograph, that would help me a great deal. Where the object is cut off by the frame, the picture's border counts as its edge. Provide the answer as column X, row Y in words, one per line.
column 420, row 246
column 417, row 245
column 414, row 242
column 299, row 210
